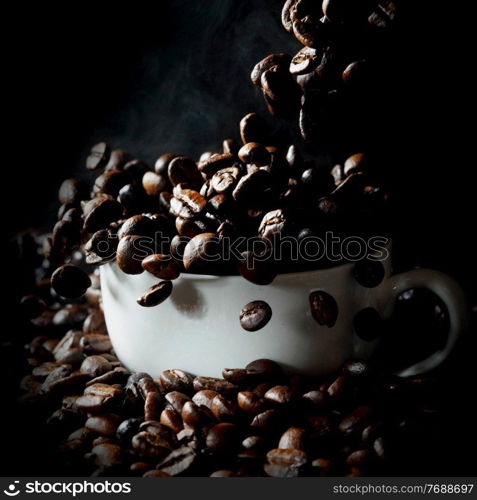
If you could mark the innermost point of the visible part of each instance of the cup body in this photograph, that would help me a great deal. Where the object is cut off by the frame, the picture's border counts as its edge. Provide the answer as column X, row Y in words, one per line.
column 197, row 328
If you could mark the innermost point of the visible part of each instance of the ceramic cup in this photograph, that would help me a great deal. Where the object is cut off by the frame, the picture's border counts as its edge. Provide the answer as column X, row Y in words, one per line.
column 197, row 328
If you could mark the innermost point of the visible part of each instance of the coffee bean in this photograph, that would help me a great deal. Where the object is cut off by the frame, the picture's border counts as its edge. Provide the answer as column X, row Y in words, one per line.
column 293, row 438
column 117, row 160
column 282, row 60
column 156, row 294
column 356, row 420
column 100, row 212
column 224, row 180
column 368, row 273
column 230, row 146
column 184, row 170
column 216, row 162
column 105, row 424
column 251, row 187
column 321, row 467
column 253, row 128
column 190, row 228
column 101, row 247
column 287, row 457
column 162, row 163
column 254, row 153
column 110, row 183
column 153, row 406
column 187, row 203
column 316, row 398
column 368, row 324
column 116, row 376
column 95, row 343
column 154, row 184
column 214, row 384
column 222, row 408
column 95, row 366
column 177, row 400
column 280, row 394
column 178, row 461
column 72, row 191
column 204, row 397
column 362, row 459
column 172, row 419
column 286, row 15
column 161, row 266
column 98, row 157
column 222, row 436
column 275, row 223
column 131, row 251
column 306, row 60
column 197, row 416
column 201, row 252
column 70, row 281
column 255, row 315
column 154, row 442
column 175, row 381
column 264, row 368
column 256, row 270
column 251, row 403
column 324, row 308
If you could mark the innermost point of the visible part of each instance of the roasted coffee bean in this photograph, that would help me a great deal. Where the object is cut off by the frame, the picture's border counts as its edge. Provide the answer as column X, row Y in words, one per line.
column 133, row 198
column 107, row 455
column 117, row 376
column 117, row 160
column 275, row 224
column 70, row 281
column 178, row 461
column 187, row 203
column 225, row 180
column 177, row 400
column 255, row 315
column 251, row 187
column 68, row 348
column 184, row 170
column 100, row 212
column 154, row 183
column 282, row 60
column 171, row 419
column 222, row 436
column 310, row 32
column 368, row 324
column 287, row 15
column 253, row 128
column 368, row 273
column 347, row 11
column 338, row 174
column 287, row 457
column 95, row 366
column 63, row 421
column 339, row 388
column 251, row 403
column 190, row 228
column 71, row 316
column 355, row 163
column 156, row 294
column 283, row 92
column 230, row 146
column 153, row 406
column 95, row 323
column 98, row 157
column 264, row 368
column 254, row 153
column 131, row 251
column 236, row 376
column 204, row 397
column 175, row 381
column 356, row 420
column 95, row 343
column 101, row 247
column 98, row 397
column 280, row 394
column 105, row 424
column 256, row 270
column 72, row 191
column 197, row 416
column 161, row 266
column 153, row 443
column 142, row 225
column 214, row 384
column 201, row 252
column 32, row 306
column 306, row 60
column 320, row 428
column 127, row 429
column 315, row 399
column 362, row 459
column 162, row 163
column 372, row 432
column 216, row 162
column 223, row 408
column 111, row 182
column 274, row 470
column 323, row 307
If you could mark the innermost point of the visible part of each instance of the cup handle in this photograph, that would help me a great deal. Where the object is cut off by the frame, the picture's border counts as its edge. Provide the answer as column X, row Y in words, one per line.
column 449, row 292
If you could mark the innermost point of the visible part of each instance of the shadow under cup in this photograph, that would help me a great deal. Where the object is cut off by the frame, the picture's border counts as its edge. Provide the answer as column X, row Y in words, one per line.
column 197, row 328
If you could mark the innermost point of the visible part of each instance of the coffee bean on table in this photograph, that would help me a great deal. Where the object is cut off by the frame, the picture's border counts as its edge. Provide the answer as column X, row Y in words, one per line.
column 70, row 281
column 323, row 307
column 98, row 157
column 368, row 273
column 255, row 315
column 156, row 294
column 368, row 324
column 175, row 381
column 161, row 266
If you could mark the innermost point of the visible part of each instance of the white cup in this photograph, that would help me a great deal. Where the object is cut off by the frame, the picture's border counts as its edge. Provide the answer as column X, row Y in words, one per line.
column 197, row 328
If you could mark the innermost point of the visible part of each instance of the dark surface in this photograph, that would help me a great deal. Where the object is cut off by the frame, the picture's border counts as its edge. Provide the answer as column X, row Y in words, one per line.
column 174, row 77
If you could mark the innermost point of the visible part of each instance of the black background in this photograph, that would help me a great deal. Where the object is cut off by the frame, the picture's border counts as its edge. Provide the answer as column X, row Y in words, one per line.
column 174, row 76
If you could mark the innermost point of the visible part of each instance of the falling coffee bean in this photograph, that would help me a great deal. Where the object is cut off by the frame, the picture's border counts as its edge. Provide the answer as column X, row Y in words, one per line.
column 156, row 294
column 324, row 308
column 255, row 315
column 98, row 157
column 70, row 281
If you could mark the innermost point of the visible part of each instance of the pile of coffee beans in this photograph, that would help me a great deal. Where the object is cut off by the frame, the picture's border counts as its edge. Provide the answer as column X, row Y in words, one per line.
column 333, row 82
column 226, row 213
column 99, row 419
